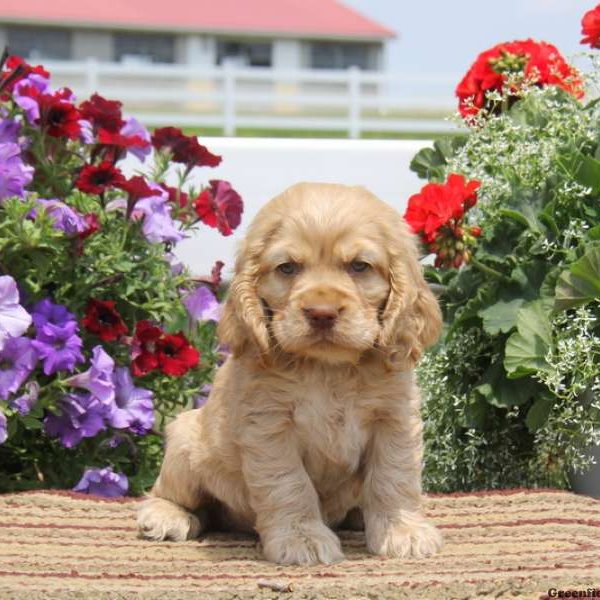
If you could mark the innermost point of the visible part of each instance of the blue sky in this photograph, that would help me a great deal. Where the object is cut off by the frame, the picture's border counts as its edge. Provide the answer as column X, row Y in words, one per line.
column 445, row 36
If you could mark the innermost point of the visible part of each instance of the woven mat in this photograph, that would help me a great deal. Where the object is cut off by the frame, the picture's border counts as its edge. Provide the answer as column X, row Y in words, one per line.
column 502, row 544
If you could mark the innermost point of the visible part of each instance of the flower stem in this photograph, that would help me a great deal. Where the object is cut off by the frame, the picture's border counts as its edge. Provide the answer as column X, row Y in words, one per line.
column 489, row 271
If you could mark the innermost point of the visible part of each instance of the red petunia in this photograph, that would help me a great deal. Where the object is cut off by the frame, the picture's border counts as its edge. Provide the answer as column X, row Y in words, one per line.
column 590, row 27
column 58, row 115
column 102, row 113
column 117, row 143
column 539, row 63
column 176, row 356
column 137, row 187
column 220, row 206
column 155, row 349
column 13, row 70
column 103, row 319
column 92, row 225
column 97, row 179
column 144, row 348
column 184, row 149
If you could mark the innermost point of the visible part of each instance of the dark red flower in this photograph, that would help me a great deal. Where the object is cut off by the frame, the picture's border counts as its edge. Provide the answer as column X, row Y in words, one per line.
column 97, row 179
column 590, row 27
column 137, row 187
column 214, row 280
column 117, row 143
column 58, row 115
column 184, row 149
column 177, row 197
column 102, row 113
column 176, row 356
column 103, row 319
column 539, row 63
column 144, row 348
column 220, row 206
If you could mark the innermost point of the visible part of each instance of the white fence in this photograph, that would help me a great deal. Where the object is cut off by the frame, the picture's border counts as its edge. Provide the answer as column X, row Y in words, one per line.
column 231, row 97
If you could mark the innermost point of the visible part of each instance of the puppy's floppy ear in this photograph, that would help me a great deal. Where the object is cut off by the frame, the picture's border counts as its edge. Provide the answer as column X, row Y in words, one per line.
column 411, row 319
column 243, row 323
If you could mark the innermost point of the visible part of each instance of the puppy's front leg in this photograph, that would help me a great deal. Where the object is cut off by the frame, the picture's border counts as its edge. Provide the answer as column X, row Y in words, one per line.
column 394, row 524
column 288, row 515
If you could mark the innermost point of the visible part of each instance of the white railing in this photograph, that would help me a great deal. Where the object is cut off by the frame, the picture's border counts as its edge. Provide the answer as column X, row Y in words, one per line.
column 230, row 97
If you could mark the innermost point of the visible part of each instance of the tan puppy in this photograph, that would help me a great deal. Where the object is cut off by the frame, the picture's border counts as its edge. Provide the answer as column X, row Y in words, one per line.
column 316, row 412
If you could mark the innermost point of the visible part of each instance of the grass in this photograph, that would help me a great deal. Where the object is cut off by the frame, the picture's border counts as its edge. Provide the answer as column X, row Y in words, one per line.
column 316, row 133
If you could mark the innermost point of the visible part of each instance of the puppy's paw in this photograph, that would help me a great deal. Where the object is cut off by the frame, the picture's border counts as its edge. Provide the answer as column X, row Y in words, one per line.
column 159, row 519
column 305, row 543
column 409, row 536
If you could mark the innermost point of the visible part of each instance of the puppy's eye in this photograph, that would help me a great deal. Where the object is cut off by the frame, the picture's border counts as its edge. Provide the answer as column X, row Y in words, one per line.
column 288, row 268
column 358, row 266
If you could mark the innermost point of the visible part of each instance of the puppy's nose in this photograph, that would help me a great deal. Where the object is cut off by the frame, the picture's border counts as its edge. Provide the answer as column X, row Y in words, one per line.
column 321, row 316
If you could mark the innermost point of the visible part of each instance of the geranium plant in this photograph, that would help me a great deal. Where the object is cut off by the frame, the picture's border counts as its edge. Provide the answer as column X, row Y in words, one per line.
column 513, row 389
column 103, row 334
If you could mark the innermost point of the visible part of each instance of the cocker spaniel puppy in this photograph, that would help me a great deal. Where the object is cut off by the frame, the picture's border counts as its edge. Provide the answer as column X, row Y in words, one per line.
column 315, row 415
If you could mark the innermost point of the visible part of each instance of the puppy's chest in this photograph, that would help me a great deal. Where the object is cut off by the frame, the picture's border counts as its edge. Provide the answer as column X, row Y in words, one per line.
column 332, row 428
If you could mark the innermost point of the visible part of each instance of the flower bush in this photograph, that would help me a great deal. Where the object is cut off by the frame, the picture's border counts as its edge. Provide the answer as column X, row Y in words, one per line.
column 103, row 334
column 513, row 389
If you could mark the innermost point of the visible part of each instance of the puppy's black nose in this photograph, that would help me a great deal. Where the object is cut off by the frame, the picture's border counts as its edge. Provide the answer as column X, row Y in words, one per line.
column 321, row 316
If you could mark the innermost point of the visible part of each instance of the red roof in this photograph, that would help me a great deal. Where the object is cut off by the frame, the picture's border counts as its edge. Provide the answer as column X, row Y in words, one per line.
column 314, row 18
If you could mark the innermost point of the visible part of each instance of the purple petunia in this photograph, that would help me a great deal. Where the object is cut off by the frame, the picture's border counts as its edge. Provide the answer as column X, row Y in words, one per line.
column 158, row 226
column 25, row 402
column 133, row 406
column 9, row 131
column 103, row 482
column 14, row 319
column 14, row 174
column 202, row 305
column 81, row 416
column 200, row 400
column 17, row 359
column 3, row 428
column 23, row 93
column 64, row 217
column 98, row 379
column 59, row 347
column 132, row 128
column 46, row 311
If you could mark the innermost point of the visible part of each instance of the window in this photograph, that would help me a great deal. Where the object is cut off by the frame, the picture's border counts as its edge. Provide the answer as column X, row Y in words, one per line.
column 36, row 43
column 246, row 54
column 332, row 55
column 148, row 47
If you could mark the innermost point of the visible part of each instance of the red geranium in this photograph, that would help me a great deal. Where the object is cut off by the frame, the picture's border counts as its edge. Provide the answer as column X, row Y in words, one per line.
column 97, row 179
column 590, row 27
column 155, row 349
column 58, row 115
column 175, row 354
column 103, row 319
column 220, row 206
column 102, row 113
column 538, row 63
column 436, row 214
column 184, row 149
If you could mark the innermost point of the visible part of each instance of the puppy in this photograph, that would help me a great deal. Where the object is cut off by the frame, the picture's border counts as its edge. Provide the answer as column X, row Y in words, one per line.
column 315, row 414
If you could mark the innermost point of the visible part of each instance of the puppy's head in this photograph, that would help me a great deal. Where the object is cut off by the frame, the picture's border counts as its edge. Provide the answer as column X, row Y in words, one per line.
column 329, row 272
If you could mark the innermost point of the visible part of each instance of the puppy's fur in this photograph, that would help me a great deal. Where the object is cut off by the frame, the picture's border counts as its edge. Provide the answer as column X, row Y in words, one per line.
column 311, row 418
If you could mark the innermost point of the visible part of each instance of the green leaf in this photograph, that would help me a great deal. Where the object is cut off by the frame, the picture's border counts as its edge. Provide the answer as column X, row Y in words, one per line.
column 537, row 415
column 429, row 163
column 580, row 283
column 502, row 392
column 527, row 347
column 501, row 316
